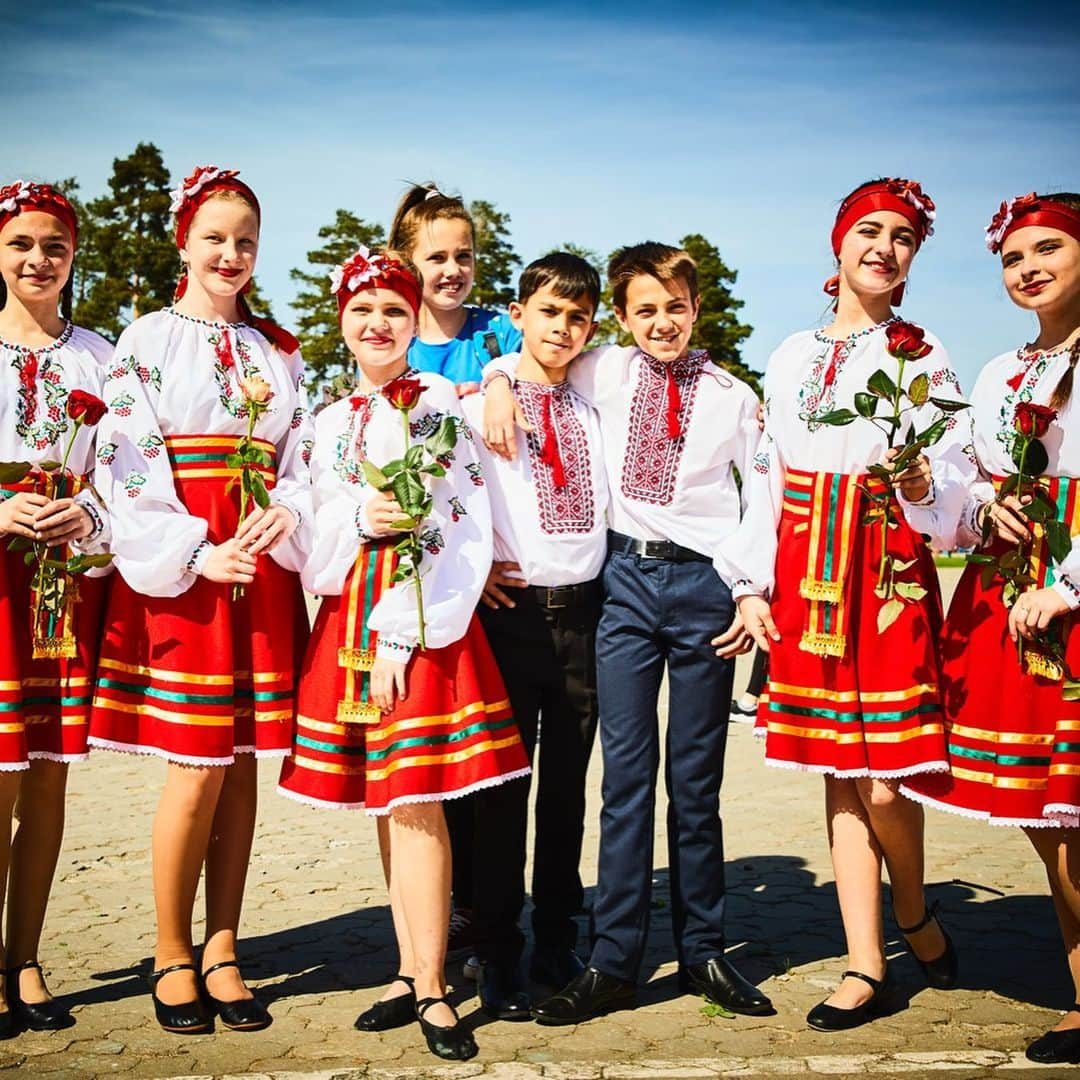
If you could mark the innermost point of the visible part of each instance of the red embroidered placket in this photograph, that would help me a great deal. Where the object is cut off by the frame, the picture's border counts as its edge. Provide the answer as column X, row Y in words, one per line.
column 27, row 379
column 674, row 404
column 549, row 451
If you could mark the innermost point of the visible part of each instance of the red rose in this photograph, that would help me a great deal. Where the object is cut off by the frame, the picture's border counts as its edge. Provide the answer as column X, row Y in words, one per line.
column 403, row 393
column 906, row 341
column 85, row 407
column 1033, row 420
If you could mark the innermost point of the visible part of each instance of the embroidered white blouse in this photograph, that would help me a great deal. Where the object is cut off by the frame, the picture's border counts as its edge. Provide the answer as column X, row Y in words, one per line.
column 556, row 534
column 34, row 424
column 173, row 374
column 993, row 403
column 664, row 488
column 456, row 535
column 811, row 374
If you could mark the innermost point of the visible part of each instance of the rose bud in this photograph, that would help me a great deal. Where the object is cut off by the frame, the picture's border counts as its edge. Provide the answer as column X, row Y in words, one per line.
column 85, row 407
column 403, row 392
column 256, row 390
column 906, row 339
column 1033, row 420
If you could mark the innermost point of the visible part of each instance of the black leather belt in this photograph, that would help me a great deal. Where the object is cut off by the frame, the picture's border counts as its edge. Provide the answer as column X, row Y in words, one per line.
column 564, row 596
column 653, row 549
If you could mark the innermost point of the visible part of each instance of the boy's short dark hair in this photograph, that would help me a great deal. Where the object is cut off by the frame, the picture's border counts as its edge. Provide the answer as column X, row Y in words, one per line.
column 568, row 276
column 661, row 261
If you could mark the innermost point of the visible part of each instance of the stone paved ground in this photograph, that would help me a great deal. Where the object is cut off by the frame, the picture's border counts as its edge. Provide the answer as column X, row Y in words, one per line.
column 318, row 943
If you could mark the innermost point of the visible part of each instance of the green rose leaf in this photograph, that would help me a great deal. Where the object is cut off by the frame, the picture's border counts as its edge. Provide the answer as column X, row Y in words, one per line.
column 443, row 439
column 11, row 472
column 234, row 461
column 404, row 523
column 48, row 465
column 1058, row 540
column 948, row 405
column 881, row 472
column 28, row 558
column 1009, row 484
column 258, row 490
column 866, row 404
column 919, row 391
column 375, row 476
column 20, row 543
column 836, row 418
column 881, row 385
column 934, row 432
column 1037, row 460
column 409, row 492
column 888, row 614
column 433, row 469
column 979, row 559
column 401, row 573
column 414, row 456
column 75, row 565
column 910, row 590
column 97, row 560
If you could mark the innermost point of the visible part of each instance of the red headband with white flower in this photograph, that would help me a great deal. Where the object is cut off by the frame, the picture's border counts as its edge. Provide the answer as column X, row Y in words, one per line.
column 1031, row 209
column 903, row 197
column 366, row 271
column 197, row 188
column 21, row 197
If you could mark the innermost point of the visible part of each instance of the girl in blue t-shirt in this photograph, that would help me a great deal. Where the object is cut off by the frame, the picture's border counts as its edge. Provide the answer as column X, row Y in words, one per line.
column 435, row 233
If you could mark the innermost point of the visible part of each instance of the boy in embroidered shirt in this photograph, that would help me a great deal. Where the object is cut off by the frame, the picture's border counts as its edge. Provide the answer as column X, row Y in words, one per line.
column 675, row 427
column 540, row 610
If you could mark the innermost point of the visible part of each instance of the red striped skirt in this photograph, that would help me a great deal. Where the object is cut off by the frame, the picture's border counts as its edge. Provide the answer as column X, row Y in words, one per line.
column 45, row 702
column 452, row 734
column 200, row 677
column 1013, row 740
column 843, row 697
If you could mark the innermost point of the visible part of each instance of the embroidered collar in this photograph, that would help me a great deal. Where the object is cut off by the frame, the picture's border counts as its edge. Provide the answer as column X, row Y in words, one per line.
column 682, row 368
column 38, row 350
column 824, row 339
column 216, row 324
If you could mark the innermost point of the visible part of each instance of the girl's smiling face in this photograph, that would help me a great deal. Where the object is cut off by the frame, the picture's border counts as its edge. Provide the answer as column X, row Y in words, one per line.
column 221, row 246
column 1041, row 268
column 36, row 253
column 876, row 253
column 443, row 256
column 377, row 326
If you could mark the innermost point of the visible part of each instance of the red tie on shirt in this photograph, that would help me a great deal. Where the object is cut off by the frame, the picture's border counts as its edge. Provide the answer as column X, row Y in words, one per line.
column 549, row 452
column 674, row 404
column 28, row 378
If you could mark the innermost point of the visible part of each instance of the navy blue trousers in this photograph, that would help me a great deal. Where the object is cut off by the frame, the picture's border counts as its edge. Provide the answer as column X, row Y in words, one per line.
column 656, row 613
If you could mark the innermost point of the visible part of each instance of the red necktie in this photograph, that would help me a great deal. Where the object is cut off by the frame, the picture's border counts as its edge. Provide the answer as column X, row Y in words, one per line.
column 549, row 452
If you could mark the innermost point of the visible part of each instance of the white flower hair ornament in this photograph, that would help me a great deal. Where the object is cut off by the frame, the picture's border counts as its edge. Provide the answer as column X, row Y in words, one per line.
column 194, row 183
column 1007, row 213
column 13, row 194
column 357, row 270
column 911, row 192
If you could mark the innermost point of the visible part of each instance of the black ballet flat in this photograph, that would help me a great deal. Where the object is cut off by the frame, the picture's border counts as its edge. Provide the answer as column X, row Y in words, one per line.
column 1057, row 1047
column 943, row 972
column 830, row 1018
column 393, row 1013
column 247, row 1014
column 453, row 1043
column 187, row 1018
column 39, row 1016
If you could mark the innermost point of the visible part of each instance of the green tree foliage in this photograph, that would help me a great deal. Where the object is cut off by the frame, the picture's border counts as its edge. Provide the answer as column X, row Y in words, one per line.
column 258, row 303
column 317, row 315
column 127, row 262
column 496, row 259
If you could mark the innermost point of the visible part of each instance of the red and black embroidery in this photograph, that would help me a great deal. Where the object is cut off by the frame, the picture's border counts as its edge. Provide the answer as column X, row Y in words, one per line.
column 569, row 506
column 651, row 462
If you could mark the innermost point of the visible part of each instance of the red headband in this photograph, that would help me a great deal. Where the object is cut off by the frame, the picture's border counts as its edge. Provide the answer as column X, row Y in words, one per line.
column 367, row 271
column 903, row 197
column 1027, row 210
column 20, row 197
column 205, row 181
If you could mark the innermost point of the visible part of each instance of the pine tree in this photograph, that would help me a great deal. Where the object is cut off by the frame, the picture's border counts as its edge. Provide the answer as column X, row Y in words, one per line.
column 496, row 260
column 128, row 264
column 317, row 315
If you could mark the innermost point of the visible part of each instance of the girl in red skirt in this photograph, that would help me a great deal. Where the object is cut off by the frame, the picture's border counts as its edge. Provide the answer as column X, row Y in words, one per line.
column 44, row 682
column 203, row 458
column 384, row 722
column 854, row 688
column 1013, row 723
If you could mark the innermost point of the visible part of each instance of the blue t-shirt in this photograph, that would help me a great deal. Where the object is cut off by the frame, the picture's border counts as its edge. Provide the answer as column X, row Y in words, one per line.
column 462, row 359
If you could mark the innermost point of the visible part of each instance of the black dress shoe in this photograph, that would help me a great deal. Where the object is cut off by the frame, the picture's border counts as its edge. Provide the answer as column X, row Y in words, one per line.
column 453, row 1043
column 187, row 1018
column 39, row 1016
column 501, row 994
column 943, row 972
column 591, row 994
column 555, row 965
column 1057, row 1047
column 718, row 980
column 830, row 1018
column 246, row 1014
column 393, row 1013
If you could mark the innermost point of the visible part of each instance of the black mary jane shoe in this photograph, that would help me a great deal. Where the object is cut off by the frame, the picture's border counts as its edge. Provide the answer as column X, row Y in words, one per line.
column 453, row 1043
column 36, row 1016
column 1057, row 1047
column 246, row 1014
column 392, row 1013
column 943, row 972
column 830, row 1018
column 186, row 1018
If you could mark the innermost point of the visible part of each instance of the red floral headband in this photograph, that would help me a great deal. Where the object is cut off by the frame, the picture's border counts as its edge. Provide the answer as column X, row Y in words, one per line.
column 197, row 188
column 364, row 270
column 1030, row 209
column 20, row 197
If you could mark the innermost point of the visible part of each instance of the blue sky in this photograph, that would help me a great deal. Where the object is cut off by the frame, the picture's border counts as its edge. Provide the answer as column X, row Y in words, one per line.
column 600, row 124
